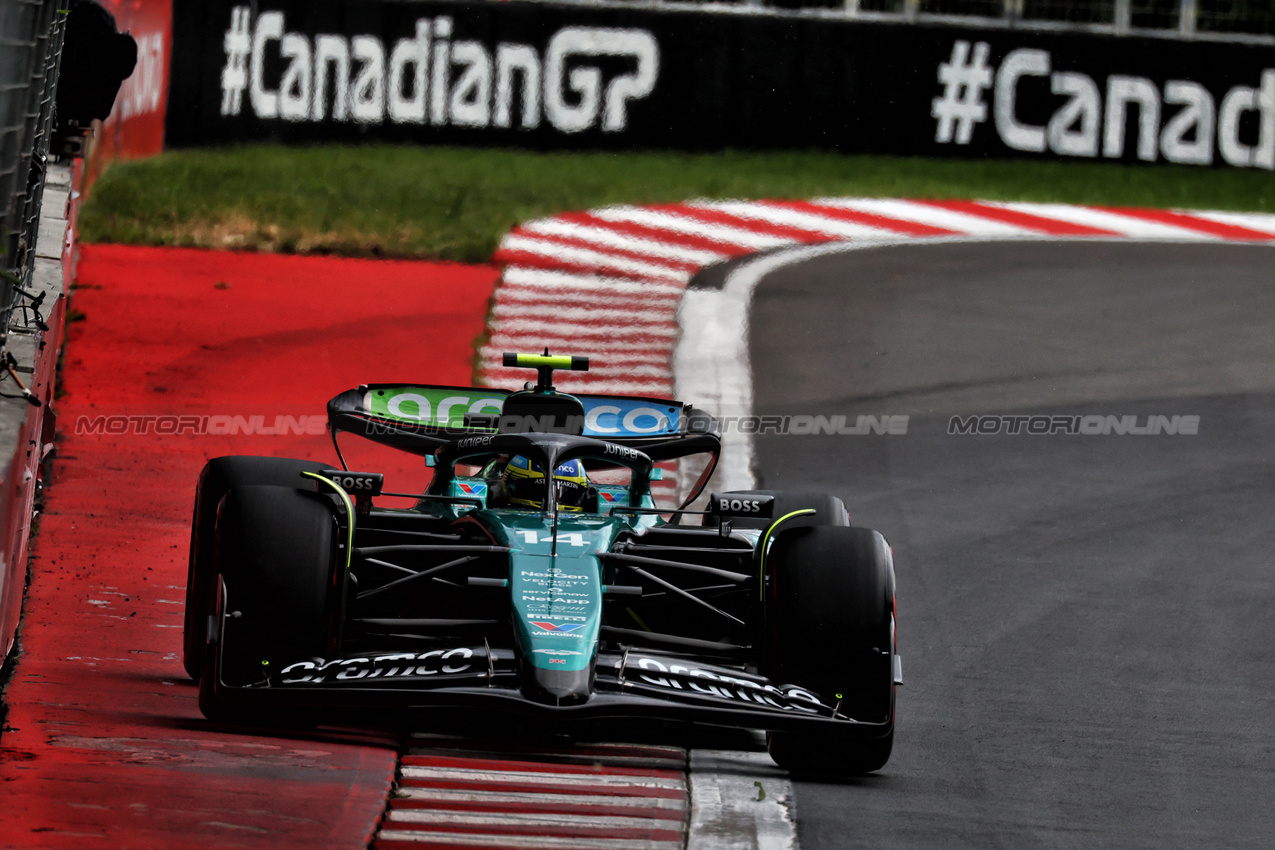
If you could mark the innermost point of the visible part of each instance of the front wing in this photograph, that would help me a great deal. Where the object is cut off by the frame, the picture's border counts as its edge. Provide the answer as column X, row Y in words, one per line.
column 629, row 686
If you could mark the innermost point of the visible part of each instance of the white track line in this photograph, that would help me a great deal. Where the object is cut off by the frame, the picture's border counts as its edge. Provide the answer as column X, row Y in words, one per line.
column 590, row 330
column 711, row 362
column 553, row 279
column 1261, row 222
column 515, row 294
column 587, row 257
column 537, row 819
column 664, row 220
column 451, row 795
column 527, row 842
column 623, row 241
column 592, row 796
column 728, row 809
column 537, row 777
column 795, row 218
column 650, row 317
column 1136, row 228
column 561, row 340
column 961, row 223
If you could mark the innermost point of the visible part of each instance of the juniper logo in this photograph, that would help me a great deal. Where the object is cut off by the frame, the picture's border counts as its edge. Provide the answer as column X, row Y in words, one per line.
column 1087, row 425
column 583, row 77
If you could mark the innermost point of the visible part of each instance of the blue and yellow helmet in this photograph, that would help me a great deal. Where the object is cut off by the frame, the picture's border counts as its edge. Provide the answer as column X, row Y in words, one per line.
column 524, row 484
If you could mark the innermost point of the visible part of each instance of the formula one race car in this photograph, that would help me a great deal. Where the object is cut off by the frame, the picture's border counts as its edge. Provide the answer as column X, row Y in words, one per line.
column 537, row 576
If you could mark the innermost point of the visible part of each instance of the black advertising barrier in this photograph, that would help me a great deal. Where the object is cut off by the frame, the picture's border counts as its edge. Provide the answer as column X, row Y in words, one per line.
column 591, row 77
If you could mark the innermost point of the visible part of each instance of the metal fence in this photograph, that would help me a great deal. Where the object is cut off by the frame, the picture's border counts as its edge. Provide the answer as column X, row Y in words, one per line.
column 30, row 47
column 1214, row 20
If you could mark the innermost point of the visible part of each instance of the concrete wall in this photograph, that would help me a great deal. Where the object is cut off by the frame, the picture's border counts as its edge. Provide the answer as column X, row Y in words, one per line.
column 26, row 429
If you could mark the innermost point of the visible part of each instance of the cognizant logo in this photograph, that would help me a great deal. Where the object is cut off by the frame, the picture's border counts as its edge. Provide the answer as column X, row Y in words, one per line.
column 432, row 78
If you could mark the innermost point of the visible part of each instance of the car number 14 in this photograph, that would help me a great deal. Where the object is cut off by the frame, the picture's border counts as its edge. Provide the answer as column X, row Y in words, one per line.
column 573, row 538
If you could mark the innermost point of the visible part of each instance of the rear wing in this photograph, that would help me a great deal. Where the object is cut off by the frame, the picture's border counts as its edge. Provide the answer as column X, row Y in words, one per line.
column 419, row 418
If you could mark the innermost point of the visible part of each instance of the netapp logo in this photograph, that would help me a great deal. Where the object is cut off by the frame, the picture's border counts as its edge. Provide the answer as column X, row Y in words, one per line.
column 431, row 78
column 1179, row 122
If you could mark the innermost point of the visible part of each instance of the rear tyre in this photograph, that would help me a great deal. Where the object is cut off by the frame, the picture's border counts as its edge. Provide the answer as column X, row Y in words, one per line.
column 829, row 510
column 831, row 616
column 219, row 476
column 275, row 555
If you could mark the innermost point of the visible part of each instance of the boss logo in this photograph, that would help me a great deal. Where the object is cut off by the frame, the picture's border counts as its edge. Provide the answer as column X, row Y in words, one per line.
column 751, row 506
column 369, row 483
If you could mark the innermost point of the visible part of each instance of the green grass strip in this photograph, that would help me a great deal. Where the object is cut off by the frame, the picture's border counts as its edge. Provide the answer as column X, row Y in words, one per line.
column 455, row 204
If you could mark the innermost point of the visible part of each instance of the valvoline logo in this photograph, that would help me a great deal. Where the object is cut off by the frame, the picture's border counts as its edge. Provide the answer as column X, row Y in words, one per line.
column 558, row 627
column 473, row 489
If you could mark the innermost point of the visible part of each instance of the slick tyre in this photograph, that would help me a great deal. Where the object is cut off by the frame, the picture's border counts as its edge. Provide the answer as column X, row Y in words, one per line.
column 831, row 620
column 275, row 554
column 219, row 476
column 829, row 510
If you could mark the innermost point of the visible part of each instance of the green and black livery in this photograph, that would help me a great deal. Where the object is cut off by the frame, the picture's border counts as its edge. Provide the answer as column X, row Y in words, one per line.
column 757, row 609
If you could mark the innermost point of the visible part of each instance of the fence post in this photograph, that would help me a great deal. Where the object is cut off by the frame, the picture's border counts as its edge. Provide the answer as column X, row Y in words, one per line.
column 1186, row 18
column 32, row 33
column 1122, row 17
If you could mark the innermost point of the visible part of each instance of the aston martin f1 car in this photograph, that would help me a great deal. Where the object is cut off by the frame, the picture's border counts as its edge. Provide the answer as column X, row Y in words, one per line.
column 538, row 576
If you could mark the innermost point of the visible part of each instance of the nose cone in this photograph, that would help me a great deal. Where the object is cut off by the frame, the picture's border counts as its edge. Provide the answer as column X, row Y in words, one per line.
column 557, row 687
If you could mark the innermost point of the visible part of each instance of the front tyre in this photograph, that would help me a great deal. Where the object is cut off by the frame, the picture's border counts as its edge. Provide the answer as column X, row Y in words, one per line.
column 219, row 476
column 275, row 558
column 830, row 610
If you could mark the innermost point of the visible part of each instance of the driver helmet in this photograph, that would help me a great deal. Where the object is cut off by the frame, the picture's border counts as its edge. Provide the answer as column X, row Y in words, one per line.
column 524, row 484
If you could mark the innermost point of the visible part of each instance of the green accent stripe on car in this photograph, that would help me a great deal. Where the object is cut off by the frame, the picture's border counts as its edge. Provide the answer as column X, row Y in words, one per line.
column 349, row 512
column 765, row 541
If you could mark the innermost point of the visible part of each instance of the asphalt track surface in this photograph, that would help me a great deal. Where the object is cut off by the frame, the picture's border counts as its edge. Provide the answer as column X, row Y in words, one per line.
column 1085, row 621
